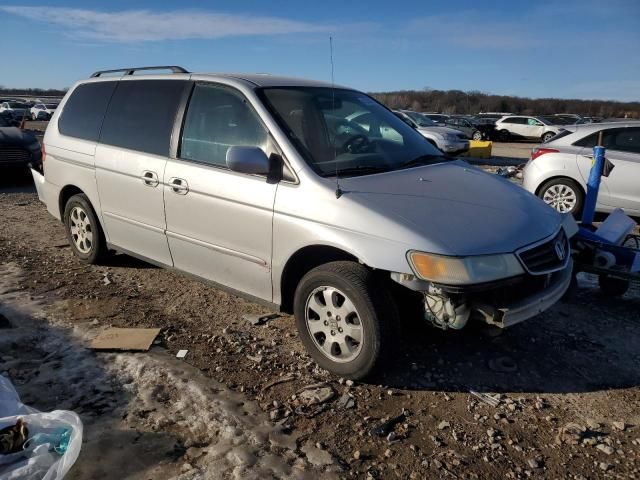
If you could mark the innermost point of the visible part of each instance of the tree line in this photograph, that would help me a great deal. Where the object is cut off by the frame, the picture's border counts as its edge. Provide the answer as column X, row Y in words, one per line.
column 472, row 102
column 32, row 92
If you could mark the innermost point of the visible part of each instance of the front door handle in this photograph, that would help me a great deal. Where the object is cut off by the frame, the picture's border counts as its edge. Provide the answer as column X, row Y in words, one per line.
column 179, row 185
column 149, row 178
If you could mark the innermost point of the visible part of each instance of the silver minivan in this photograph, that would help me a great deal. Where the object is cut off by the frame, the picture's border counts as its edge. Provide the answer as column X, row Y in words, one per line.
column 264, row 186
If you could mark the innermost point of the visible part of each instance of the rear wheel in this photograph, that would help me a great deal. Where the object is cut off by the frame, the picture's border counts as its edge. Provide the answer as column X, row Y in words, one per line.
column 562, row 194
column 547, row 136
column 345, row 316
column 477, row 135
column 504, row 135
column 83, row 230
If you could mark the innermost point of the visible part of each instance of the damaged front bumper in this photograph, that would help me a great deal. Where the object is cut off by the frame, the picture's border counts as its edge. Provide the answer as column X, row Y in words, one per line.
column 529, row 306
column 503, row 303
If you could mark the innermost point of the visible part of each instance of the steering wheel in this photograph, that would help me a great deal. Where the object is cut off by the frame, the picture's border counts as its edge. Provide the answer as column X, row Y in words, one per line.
column 356, row 144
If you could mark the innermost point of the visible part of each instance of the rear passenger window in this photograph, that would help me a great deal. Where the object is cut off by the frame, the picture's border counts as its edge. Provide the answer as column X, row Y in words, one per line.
column 141, row 115
column 627, row 140
column 84, row 111
column 218, row 118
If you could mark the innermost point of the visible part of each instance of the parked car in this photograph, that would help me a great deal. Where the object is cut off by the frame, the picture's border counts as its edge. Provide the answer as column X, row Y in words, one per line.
column 17, row 109
column 43, row 111
column 471, row 128
column 18, row 148
column 558, row 170
column 439, row 118
column 447, row 140
column 8, row 119
column 265, row 186
column 522, row 126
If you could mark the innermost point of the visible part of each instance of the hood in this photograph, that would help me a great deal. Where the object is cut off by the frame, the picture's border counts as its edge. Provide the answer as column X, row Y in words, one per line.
column 15, row 136
column 457, row 208
column 440, row 130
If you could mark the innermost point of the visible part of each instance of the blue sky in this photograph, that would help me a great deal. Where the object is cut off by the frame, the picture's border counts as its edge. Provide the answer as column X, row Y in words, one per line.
column 539, row 48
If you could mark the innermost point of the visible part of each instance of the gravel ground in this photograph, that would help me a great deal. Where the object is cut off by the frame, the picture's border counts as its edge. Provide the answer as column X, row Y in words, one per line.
column 565, row 401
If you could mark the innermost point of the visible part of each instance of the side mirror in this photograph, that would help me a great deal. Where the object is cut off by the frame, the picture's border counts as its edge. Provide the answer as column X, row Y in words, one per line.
column 249, row 160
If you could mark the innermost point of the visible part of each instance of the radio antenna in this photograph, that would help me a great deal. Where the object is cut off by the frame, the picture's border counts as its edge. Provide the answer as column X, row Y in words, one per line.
column 333, row 106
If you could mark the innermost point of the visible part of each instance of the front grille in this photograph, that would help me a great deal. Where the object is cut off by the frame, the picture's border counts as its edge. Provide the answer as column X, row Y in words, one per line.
column 13, row 154
column 548, row 256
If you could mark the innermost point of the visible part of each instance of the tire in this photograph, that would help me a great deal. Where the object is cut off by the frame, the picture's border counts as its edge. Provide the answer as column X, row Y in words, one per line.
column 84, row 232
column 504, row 135
column 564, row 195
column 477, row 135
column 366, row 310
column 547, row 136
column 612, row 286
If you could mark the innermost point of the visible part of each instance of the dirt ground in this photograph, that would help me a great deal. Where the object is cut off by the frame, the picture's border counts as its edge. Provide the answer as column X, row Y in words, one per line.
column 564, row 386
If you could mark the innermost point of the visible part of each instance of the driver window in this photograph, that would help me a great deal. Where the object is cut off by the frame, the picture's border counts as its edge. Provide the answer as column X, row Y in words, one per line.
column 533, row 122
column 218, row 118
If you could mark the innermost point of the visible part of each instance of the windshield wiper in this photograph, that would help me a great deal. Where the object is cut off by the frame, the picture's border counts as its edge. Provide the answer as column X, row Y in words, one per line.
column 357, row 170
column 422, row 160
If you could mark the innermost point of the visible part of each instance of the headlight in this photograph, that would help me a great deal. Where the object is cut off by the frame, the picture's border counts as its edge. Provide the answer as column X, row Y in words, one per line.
column 464, row 270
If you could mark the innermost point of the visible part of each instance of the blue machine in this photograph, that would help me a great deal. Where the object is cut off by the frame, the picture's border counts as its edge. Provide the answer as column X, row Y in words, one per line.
column 617, row 263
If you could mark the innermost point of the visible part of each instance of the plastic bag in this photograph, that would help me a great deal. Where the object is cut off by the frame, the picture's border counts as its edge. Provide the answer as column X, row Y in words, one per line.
column 53, row 444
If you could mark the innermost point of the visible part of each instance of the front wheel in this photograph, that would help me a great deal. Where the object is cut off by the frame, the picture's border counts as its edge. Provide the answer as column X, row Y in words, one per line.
column 477, row 135
column 504, row 135
column 345, row 317
column 83, row 230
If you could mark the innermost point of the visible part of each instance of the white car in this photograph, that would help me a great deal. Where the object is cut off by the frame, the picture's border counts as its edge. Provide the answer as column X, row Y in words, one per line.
column 559, row 170
column 43, row 111
column 447, row 140
column 522, row 126
column 16, row 109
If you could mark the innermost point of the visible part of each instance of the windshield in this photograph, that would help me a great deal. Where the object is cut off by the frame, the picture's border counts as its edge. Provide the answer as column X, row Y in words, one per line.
column 421, row 120
column 346, row 131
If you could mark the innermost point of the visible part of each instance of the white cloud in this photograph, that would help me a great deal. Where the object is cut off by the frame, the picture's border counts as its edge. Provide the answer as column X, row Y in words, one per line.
column 145, row 25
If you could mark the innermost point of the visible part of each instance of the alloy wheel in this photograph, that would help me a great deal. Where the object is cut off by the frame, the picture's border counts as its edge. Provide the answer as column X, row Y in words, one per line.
column 561, row 197
column 81, row 230
column 334, row 324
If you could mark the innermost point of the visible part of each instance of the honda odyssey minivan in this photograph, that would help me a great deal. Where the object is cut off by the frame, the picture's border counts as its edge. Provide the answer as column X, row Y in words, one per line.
column 263, row 186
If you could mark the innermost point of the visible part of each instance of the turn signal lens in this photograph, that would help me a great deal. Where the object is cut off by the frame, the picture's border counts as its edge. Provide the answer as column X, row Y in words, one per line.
column 464, row 270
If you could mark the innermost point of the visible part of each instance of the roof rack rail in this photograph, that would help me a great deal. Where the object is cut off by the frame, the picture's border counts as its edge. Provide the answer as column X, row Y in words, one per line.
column 131, row 71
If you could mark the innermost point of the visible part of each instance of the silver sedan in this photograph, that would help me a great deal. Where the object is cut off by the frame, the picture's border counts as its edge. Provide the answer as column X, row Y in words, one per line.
column 559, row 169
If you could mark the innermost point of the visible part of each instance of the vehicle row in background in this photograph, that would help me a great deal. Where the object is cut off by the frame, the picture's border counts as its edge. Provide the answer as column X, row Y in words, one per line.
column 448, row 140
column 19, row 109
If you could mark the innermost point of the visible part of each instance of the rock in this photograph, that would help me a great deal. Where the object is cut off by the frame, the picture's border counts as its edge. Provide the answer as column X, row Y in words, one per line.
column 94, row 322
column 193, row 453
column 391, row 437
column 356, row 455
column 604, row 466
column 388, row 453
column 619, row 426
column 605, row 448
column 316, row 456
column 346, row 401
column 349, row 383
column 315, row 396
column 443, row 425
column 571, row 434
column 533, row 463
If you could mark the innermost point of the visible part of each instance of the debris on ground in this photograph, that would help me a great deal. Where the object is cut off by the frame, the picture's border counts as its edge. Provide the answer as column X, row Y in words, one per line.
column 182, row 353
column 131, row 339
column 385, row 427
column 486, row 398
column 259, row 319
column 316, row 394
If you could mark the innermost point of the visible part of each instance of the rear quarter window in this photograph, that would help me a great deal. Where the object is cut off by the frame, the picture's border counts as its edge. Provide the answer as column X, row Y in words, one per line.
column 84, row 111
column 141, row 115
